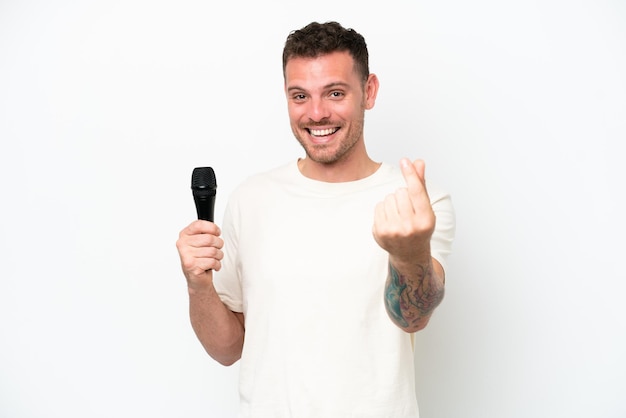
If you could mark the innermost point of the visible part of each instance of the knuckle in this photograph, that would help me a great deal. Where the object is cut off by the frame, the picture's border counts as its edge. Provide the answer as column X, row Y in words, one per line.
column 187, row 263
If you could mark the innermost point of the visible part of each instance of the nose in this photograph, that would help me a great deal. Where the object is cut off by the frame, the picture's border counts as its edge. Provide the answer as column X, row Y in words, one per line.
column 318, row 110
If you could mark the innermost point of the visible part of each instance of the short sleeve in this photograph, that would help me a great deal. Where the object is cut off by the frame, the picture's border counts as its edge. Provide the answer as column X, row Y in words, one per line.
column 445, row 227
column 227, row 280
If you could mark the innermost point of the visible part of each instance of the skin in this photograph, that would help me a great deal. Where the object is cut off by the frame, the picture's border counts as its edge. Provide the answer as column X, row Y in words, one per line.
column 325, row 94
column 403, row 225
column 220, row 330
column 326, row 102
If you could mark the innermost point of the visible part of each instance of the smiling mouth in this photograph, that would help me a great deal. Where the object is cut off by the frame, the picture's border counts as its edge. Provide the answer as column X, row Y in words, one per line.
column 322, row 132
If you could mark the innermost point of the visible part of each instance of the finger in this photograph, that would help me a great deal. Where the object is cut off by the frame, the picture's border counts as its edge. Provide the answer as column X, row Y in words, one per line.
column 380, row 218
column 391, row 208
column 201, row 227
column 379, row 212
column 210, row 258
column 203, row 266
column 197, row 260
column 204, row 240
column 420, row 169
column 413, row 182
column 414, row 176
column 404, row 204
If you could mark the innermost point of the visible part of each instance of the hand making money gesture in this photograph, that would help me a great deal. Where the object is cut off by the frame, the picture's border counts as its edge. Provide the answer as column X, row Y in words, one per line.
column 405, row 221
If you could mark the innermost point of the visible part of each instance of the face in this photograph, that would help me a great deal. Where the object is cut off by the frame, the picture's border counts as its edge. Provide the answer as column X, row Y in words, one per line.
column 327, row 102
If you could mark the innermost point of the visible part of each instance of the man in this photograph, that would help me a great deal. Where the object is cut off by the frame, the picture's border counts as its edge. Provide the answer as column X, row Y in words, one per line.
column 318, row 304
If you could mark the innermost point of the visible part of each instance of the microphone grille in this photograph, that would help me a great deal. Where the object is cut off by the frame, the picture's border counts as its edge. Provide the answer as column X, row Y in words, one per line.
column 203, row 178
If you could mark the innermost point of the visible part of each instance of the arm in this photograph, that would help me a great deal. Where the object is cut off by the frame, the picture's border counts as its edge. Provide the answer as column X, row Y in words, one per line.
column 412, row 293
column 403, row 225
column 220, row 330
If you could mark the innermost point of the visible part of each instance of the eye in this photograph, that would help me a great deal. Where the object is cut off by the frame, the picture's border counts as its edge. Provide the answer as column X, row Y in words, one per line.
column 298, row 97
column 336, row 94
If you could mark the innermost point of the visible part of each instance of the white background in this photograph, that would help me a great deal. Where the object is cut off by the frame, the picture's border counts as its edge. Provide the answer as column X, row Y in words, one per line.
column 518, row 108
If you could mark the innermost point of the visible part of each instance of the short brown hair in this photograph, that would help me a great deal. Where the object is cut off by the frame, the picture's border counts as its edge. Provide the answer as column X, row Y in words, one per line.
column 316, row 39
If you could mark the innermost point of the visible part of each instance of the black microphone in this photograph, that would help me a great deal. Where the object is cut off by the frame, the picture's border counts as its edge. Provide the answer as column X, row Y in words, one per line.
column 203, row 186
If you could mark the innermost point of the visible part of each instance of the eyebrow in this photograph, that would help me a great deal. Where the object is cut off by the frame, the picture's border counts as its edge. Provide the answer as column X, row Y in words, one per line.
column 326, row 87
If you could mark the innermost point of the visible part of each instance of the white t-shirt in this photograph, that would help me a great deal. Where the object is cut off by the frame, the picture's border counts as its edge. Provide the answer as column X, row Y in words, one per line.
column 302, row 265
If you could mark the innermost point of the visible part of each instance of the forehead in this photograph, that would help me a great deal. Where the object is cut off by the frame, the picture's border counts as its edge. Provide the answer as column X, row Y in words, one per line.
column 324, row 69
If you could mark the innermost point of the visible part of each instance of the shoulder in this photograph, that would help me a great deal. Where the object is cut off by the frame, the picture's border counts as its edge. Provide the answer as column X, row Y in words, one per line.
column 258, row 185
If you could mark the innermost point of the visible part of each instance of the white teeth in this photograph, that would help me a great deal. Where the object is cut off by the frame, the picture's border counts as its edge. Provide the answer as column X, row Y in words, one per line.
column 323, row 132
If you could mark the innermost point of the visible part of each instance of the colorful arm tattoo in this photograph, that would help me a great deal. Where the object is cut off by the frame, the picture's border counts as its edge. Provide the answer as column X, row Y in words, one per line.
column 410, row 300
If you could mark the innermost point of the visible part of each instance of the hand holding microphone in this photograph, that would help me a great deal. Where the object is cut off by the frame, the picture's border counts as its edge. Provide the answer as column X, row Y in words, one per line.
column 199, row 244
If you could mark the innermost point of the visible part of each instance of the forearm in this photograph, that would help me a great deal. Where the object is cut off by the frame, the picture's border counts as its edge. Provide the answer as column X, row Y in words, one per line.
column 413, row 290
column 220, row 330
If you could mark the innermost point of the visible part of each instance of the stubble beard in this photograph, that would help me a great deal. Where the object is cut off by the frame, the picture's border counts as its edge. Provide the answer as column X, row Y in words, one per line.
column 323, row 153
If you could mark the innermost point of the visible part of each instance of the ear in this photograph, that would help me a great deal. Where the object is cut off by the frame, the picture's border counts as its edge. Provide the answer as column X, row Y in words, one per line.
column 371, row 90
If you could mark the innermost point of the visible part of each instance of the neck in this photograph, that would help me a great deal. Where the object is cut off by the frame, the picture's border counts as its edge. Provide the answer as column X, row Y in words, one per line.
column 338, row 172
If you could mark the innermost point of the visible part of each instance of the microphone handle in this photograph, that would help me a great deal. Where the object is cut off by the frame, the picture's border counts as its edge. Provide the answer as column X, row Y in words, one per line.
column 205, row 206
